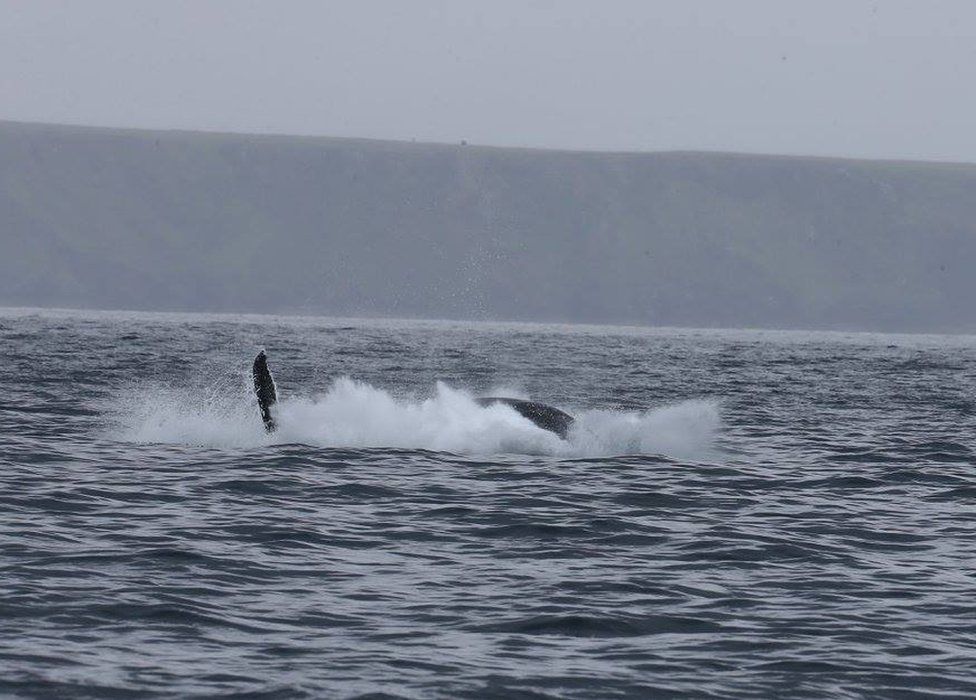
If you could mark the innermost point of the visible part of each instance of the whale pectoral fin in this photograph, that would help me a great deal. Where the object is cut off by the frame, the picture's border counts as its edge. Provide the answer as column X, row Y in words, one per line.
column 264, row 389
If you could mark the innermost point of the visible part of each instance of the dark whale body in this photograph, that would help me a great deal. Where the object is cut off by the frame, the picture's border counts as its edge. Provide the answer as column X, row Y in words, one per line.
column 264, row 389
column 546, row 417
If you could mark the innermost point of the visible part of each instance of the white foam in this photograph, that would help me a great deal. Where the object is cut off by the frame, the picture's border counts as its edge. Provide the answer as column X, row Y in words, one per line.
column 356, row 414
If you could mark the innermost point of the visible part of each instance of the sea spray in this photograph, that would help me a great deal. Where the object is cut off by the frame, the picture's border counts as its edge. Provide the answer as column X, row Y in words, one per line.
column 356, row 414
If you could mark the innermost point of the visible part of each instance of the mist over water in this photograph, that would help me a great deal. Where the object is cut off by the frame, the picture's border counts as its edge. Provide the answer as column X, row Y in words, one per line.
column 737, row 513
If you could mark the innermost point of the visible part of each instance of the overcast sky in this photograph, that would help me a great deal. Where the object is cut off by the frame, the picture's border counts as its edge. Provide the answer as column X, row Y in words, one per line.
column 878, row 78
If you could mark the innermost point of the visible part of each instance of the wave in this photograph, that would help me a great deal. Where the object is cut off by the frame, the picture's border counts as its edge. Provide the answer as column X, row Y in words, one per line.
column 356, row 414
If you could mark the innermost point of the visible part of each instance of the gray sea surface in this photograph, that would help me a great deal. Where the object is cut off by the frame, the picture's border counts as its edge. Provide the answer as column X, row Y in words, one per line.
column 735, row 513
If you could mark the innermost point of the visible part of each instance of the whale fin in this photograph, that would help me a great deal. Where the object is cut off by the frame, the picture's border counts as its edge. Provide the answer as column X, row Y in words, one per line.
column 264, row 389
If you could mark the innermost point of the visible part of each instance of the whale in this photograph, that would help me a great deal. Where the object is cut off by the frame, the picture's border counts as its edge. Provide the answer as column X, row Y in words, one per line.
column 540, row 414
column 265, row 390
column 544, row 416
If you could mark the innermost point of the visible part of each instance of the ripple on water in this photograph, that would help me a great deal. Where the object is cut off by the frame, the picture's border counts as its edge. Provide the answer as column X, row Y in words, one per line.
column 769, row 514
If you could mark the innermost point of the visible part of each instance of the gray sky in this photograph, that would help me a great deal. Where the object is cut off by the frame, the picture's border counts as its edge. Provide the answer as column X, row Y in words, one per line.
column 879, row 78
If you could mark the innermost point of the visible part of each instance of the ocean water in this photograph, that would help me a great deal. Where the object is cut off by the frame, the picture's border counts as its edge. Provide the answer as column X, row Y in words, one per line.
column 735, row 514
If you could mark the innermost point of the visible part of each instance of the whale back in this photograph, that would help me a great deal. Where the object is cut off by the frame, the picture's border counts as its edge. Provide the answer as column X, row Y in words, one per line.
column 545, row 416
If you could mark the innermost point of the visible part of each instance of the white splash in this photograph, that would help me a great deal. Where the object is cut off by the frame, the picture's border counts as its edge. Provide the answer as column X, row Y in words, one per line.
column 356, row 414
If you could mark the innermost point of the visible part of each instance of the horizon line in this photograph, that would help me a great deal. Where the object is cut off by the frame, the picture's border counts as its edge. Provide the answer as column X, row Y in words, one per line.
column 464, row 143
column 632, row 326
